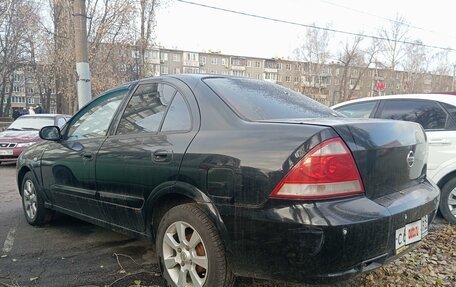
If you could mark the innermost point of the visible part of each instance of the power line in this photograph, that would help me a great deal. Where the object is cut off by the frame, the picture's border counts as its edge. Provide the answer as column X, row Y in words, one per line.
column 314, row 27
column 381, row 17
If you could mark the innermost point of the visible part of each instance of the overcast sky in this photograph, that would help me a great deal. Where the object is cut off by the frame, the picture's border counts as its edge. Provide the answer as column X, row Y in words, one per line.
column 189, row 27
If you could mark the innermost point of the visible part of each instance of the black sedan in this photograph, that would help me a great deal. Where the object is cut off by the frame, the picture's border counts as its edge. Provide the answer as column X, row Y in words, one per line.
column 235, row 177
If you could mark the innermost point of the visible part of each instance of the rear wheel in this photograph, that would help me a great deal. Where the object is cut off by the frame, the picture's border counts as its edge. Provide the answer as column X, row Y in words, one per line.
column 33, row 203
column 190, row 250
column 448, row 201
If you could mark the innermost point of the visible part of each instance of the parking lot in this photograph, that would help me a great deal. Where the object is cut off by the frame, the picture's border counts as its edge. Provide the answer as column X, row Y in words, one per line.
column 70, row 252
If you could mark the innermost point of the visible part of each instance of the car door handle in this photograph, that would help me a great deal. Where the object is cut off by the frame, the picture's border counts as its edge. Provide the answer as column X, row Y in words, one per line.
column 162, row 155
column 87, row 156
column 439, row 141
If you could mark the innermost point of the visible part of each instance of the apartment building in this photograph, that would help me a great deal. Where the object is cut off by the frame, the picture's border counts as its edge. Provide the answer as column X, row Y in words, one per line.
column 327, row 83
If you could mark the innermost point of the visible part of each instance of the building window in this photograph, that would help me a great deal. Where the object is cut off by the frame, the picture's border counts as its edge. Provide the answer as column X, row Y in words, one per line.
column 203, row 60
column 31, row 101
column 164, row 57
column 287, row 78
column 236, row 62
column 176, row 58
column 224, row 62
column 279, row 66
column 288, row 67
column 214, row 60
column 188, row 70
column 192, row 57
column 164, row 70
column 270, row 76
column 249, row 63
column 176, row 71
column 238, row 73
column 296, row 79
column 257, row 64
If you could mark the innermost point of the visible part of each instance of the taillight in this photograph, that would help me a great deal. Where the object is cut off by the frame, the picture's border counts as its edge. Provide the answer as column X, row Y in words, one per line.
column 328, row 170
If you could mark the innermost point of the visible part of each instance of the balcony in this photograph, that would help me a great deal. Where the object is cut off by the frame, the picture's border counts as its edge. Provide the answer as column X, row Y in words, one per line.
column 238, row 68
column 270, row 70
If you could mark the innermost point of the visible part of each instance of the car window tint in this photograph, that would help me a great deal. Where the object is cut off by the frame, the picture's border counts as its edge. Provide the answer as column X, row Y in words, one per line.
column 178, row 116
column 260, row 100
column 94, row 120
column 146, row 109
column 450, row 109
column 358, row 110
column 427, row 113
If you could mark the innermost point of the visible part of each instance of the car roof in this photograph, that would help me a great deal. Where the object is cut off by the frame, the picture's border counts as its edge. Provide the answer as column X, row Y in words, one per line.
column 444, row 98
column 44, row 115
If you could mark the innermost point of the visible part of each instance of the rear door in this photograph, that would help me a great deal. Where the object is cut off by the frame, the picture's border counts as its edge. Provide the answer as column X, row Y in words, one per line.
column 145, row 150
column 436, row 121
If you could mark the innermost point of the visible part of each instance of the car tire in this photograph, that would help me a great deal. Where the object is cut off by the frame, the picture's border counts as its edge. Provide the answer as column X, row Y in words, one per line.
column 448, row 201
column 33, row 202
column 180, row 252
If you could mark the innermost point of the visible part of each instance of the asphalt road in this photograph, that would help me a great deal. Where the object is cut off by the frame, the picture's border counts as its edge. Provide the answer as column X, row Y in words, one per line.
column 67, row 252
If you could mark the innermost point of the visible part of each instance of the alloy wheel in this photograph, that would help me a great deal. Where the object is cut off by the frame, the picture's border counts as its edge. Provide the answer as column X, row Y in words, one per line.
column 452, row 202
column 29, row 198
column 184, row 255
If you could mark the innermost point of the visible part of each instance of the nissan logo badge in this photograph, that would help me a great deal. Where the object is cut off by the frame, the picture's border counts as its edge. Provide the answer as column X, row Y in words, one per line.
column 411, row 158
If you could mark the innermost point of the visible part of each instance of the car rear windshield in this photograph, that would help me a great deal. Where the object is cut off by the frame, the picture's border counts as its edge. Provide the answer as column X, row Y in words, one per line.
column 256, row 100
column 31, row 123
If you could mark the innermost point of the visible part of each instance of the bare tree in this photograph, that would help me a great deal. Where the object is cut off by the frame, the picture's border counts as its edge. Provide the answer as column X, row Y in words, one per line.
column 17, row 19
column 355, row 61
column 392, row 48
column 110, row 36
column 416, row 64
column 315, row 52
column 147, row 10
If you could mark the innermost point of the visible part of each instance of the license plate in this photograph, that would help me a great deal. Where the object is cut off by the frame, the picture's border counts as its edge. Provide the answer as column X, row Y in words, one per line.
column 6, row 152
column 411, row 233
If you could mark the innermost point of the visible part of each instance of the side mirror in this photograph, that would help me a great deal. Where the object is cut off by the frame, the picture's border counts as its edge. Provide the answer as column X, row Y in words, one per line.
column 50, row 133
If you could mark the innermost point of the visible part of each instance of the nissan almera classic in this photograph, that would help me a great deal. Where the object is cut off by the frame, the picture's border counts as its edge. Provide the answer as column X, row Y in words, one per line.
column 235, row 177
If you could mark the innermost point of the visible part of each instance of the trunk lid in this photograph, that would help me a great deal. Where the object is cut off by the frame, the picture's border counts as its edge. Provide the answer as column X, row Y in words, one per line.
column 390, row 155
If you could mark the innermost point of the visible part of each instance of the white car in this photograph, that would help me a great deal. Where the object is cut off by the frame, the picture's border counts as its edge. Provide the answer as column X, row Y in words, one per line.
column 437, row 114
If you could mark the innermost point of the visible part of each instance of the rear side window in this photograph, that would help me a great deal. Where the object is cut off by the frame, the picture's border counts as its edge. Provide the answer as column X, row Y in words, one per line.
column 259, row 100
column 146, row 109
column 451, row 109
column 178, row 116
column 427, row 113
column 358, row 110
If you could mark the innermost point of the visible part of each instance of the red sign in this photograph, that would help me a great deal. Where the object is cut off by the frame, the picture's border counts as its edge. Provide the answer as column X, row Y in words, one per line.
column 380, row 86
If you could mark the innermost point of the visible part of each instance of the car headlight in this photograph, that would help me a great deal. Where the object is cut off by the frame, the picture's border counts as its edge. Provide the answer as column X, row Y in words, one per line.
column 25, row 144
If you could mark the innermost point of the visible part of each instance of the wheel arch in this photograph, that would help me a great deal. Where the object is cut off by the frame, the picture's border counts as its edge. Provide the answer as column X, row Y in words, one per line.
column 20, row 176
column 178, row 193
column 446, row 178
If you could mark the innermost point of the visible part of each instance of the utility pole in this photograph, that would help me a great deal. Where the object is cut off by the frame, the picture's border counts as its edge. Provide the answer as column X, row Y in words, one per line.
column 82, row 58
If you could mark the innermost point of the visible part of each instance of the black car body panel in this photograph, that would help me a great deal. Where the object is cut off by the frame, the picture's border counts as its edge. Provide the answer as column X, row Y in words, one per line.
column 230, row 165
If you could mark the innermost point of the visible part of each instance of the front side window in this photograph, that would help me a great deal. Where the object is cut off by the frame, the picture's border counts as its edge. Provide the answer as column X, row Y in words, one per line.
column 146, row 109
column 94, row 120
column 427, row 113
column 358, row 110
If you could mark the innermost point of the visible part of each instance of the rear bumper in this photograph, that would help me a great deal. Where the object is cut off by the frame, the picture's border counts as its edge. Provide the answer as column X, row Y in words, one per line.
column 323, row 241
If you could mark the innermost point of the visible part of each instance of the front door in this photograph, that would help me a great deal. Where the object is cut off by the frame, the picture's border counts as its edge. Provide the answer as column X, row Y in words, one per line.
column 68, row 166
